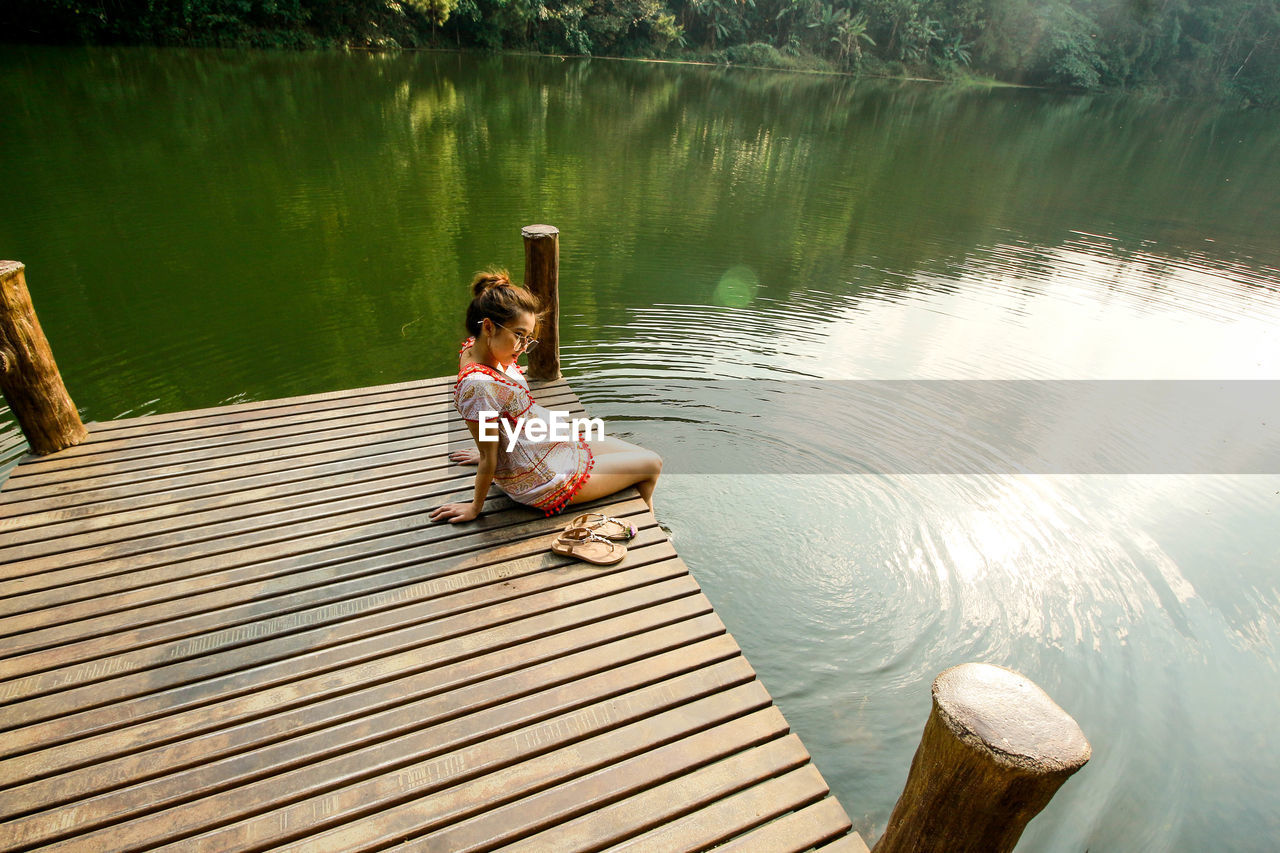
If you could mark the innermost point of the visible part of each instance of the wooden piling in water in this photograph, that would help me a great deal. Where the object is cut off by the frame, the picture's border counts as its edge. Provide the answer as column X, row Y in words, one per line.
column 542, row 278
column 29, row 376
column 994, row 751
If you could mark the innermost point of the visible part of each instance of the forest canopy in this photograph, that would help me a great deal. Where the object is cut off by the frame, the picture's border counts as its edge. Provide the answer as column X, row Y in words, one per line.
column 1218, row 48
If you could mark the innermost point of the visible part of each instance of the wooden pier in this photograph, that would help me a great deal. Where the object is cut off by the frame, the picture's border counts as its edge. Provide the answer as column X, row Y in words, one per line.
column 237, row 629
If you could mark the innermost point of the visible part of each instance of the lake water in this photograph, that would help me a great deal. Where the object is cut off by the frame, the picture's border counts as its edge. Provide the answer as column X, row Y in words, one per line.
column 207, row 227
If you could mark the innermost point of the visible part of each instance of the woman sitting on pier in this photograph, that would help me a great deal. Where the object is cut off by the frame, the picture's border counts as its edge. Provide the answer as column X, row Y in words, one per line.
column 546, row 474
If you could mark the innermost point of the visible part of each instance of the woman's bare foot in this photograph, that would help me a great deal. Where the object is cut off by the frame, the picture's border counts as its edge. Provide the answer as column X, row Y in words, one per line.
column 470, row 456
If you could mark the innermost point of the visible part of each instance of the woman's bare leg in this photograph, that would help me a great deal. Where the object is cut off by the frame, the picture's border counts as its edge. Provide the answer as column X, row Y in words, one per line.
column 613, row 444
column 619, row 464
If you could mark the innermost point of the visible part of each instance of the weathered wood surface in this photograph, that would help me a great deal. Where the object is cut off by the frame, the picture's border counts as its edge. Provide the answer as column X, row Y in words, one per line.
column 542, row 278
column 236, row 629
column 29, row 377
column 994, row 751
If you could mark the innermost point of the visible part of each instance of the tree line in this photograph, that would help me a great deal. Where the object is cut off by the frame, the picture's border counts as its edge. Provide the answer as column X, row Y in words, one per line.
column 1219, row 48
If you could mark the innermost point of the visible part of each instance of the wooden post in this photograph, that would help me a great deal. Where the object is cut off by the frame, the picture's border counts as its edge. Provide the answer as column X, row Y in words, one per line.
column 542, row 277
column 994, row 751
column 28, row 375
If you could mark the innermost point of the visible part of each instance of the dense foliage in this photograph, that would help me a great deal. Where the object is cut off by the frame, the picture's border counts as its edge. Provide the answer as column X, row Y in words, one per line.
column 1217, row 47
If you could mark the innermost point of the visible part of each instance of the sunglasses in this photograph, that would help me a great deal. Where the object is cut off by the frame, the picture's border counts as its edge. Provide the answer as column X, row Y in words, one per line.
column 523, row 342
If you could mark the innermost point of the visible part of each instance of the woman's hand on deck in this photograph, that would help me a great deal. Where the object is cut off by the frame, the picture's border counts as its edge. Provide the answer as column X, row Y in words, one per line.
column 468, row 456
column 453, row 513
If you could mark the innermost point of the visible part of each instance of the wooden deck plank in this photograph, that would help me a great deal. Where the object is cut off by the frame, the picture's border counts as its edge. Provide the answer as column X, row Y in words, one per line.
column 268, row 518
column 269, row 406
column 47, row 695
column 355, row 532
column 231, row 432
column 733, row 744
column 235, row 420
column 410, row 730
column 353, row 467
column 241, row 595
column 532, row 566
column 233, row 721
column 225, row 536
column 429, row 421
column 286, row 405
column 43, row 672
column 424, row 420
column 162, row 547
column 588, row 739
column 231, row 468
column 357, row 476
column 376, row 782
column 140, row 598
column 111, row 762
column 86, row 485
column 105, row 474
column 660, row 787
column 29, row 506
column 244, row 507
column 46, row 724
column 126, row 442
column 237, row 628
column 796, row 832
column 23, row 478
column 851, row 843
column 721, row 820
column 238, row 417
column 126, row 508
column 116, row 497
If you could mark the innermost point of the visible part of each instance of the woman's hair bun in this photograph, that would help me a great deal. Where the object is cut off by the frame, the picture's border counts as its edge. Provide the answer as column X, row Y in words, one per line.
column 488, row 280
column 493, row 296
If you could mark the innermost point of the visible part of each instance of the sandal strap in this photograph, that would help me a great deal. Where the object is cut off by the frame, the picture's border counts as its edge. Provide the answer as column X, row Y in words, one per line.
column 604, row 519
column 583, row 534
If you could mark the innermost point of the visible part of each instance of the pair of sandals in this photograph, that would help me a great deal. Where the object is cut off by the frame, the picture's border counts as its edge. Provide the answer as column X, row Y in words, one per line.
column 595, row 538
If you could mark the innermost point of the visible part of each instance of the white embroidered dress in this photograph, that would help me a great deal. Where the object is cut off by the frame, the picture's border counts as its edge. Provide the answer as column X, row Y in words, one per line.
column 543, row 474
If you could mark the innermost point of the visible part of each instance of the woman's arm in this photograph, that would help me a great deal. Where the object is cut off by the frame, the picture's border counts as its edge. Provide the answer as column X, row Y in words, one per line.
column 484, row 478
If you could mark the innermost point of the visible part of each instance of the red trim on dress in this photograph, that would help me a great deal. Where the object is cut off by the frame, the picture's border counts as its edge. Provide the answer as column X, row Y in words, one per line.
column 492, row 371
column 496, row 375
column 563, row 501
column 471, row 342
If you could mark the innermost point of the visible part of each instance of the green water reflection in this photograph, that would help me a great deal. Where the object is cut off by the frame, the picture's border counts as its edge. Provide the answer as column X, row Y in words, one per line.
column 255, row 224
